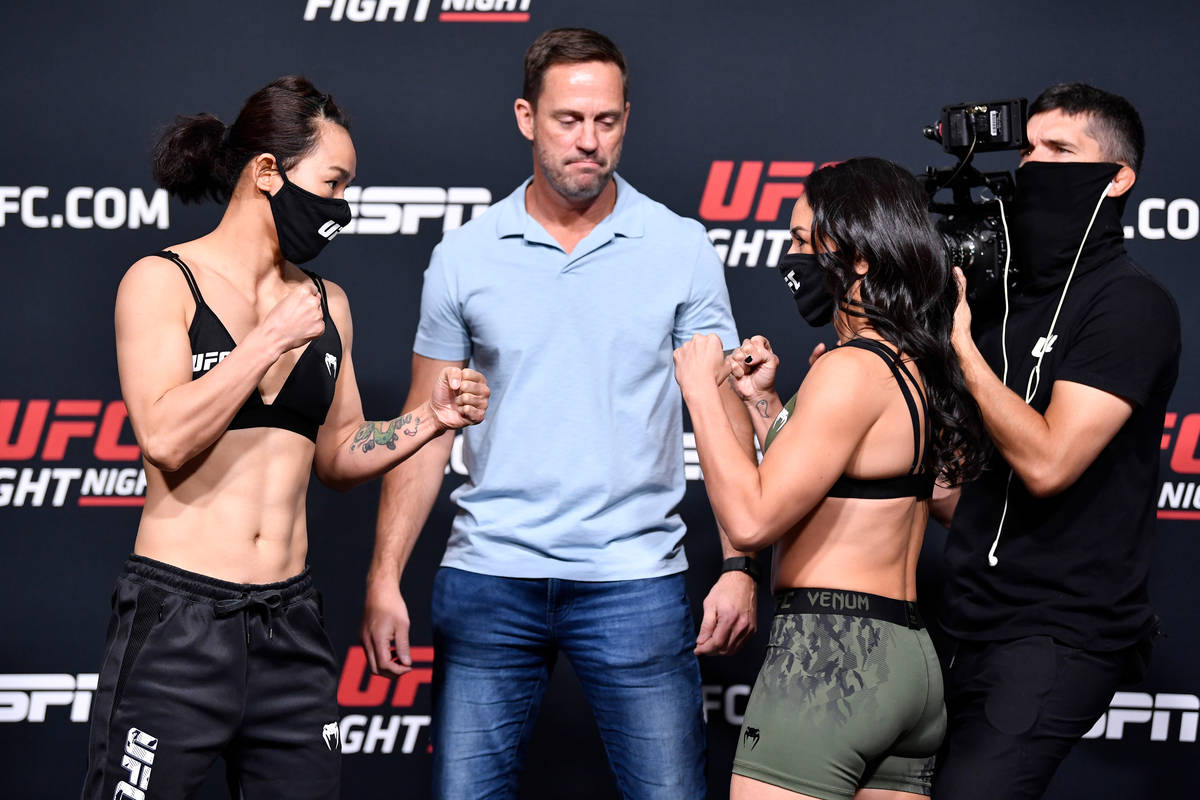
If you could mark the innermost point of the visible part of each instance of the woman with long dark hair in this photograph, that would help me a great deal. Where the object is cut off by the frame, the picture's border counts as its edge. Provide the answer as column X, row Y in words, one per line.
column 235, row 366
column 849, row 699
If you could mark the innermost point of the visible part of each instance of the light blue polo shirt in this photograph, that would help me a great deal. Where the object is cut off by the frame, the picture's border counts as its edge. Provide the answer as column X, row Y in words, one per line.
column 577, row 469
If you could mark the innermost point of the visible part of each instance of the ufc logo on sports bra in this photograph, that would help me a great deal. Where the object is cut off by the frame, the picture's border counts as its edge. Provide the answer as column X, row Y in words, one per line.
column 203, row 362
column 330, row 229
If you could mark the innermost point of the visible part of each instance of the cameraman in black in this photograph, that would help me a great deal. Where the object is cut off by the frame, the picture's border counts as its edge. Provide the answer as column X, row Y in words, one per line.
column 1049, row 552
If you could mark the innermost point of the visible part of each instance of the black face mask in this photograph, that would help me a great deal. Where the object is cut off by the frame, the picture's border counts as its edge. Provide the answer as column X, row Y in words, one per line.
column 804, row 276
column 305, row 222
column 1053, row 205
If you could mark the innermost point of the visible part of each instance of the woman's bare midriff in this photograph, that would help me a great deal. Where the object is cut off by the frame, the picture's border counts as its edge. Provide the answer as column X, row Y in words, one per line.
column 865, row 545
column 235, row 512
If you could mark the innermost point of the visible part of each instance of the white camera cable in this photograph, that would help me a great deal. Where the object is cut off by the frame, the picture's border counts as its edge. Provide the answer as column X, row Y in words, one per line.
column 1035, row 375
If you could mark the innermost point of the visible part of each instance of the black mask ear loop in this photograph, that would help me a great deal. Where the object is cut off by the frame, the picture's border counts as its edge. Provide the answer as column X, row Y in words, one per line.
column 1035, row 375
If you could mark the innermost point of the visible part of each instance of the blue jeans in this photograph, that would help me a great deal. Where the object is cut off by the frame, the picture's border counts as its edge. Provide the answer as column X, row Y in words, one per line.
column 630, row 644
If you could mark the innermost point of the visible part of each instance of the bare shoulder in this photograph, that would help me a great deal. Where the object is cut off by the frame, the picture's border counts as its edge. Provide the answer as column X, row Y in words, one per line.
column 335, row 293
column 339, row 303
column 846, row 380
column 152, row 279
column 849, row 368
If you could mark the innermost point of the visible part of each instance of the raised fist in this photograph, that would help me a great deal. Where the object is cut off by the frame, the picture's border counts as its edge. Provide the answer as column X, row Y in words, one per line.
column 296, row 319
column 752, row 367
column 460, row 397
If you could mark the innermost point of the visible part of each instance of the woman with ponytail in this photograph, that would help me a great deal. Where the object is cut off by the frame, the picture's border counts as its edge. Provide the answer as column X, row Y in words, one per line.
column 235, row 366
column 848, row 702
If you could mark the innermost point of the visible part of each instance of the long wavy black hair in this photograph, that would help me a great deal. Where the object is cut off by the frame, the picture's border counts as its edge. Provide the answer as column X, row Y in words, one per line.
column 869, row 209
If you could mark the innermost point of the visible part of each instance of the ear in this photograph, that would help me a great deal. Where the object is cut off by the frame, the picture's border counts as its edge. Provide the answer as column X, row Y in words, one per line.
column 524, row 113
column 265, row 172
column 1123, row 182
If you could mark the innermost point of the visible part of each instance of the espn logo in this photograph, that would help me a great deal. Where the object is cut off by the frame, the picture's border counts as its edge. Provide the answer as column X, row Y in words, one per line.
column 1138, row 708
column 26, row 698
column 401, row 209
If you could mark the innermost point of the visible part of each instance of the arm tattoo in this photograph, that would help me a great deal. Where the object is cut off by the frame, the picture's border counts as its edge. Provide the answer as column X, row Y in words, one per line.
column 410, row 430
column 378, row 434
column 761, row 405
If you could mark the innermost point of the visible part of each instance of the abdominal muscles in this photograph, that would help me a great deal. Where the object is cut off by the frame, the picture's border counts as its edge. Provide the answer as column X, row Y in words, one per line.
column 234, row 512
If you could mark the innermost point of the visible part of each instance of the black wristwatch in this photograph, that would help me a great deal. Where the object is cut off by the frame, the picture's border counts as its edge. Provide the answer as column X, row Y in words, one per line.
column 743, row 564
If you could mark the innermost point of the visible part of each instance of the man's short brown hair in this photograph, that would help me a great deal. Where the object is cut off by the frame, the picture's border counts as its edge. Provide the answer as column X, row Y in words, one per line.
column 568, row 46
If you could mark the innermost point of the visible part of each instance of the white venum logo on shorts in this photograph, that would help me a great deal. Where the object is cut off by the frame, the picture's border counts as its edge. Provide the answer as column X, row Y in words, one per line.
column 139, row 757
column 330, row 734
column 331, row 364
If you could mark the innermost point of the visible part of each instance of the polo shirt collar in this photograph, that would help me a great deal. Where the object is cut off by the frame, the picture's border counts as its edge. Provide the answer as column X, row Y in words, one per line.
column 626, row 219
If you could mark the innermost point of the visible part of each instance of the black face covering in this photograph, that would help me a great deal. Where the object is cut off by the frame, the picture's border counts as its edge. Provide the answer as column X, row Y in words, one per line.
column 806, row 279
column 1053, row 205
column 305, row 222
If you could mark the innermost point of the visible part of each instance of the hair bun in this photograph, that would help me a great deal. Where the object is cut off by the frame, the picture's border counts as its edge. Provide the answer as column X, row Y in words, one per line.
column 190, row 159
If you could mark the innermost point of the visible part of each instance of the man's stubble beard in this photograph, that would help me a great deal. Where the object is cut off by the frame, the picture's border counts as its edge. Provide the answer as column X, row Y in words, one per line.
column 572, row 189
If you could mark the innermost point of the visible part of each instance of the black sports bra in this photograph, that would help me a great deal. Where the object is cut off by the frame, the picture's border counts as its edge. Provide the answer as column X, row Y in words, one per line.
column 307, row 393
column 916, row 483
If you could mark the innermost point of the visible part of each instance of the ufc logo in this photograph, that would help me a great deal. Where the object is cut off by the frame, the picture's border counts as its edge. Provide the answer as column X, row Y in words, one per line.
column 353, row 692
column 1184, row 444
column 330, row 229
column 139, row 756
column 102, row 423
column 203, row 362
column 747, row 186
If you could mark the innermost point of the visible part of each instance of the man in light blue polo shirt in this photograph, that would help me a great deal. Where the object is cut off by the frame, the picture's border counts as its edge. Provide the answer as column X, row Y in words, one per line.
column 570, row 296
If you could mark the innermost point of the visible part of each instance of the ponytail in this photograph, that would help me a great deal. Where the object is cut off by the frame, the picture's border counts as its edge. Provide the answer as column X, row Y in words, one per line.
column 190, row 159
column 198, row 158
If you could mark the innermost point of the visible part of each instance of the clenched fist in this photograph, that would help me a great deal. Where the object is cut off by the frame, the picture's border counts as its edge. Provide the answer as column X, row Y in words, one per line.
column 296, row 319
column 460, row 398
column 699, row 362
column 752, row 368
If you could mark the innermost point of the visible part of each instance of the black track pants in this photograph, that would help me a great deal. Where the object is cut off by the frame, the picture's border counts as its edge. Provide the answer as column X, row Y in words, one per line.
column 196, row 668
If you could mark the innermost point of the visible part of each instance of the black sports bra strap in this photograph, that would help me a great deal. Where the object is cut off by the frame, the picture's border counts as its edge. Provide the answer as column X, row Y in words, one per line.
column 320, row 288
column 187, row 274
column 899, row 372
column 924, row 405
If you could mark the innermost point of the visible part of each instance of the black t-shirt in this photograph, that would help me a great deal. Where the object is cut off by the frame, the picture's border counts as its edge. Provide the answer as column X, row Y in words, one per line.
column 1073, row 566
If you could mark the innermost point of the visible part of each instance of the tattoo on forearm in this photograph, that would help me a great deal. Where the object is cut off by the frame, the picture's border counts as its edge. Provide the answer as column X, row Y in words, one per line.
column 374, row 434
column 761, row 405
column 383, row 434
column 410, row 430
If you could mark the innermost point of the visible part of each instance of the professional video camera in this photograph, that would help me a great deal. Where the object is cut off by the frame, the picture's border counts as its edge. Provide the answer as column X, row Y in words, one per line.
column 970, row 225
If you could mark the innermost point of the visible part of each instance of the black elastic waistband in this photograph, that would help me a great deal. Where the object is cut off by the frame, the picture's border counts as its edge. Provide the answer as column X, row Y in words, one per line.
column 850, row 603
column 193, row 583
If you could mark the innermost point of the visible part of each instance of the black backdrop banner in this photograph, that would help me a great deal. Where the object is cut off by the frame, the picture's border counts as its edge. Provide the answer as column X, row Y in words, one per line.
column 733, row 104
